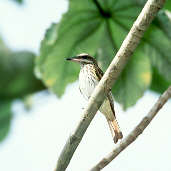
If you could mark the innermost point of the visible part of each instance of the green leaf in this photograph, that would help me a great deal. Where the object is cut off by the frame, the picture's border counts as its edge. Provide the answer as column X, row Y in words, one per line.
column 16, row 74
column 167, row 5
column 5, row 118
column 107, row 47
column 17, row 80
column 98, row 28
column 82, row 29
column 158, row 48
column 159, row 84
column 134, row 80
column 72, row 38
column 163, row 21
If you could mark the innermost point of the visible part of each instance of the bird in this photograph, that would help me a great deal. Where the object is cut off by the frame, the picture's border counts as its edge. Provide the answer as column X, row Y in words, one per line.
column 89, row 77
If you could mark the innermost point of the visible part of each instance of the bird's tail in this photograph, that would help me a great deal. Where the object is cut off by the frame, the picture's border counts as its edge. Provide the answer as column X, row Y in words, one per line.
column 115, row 130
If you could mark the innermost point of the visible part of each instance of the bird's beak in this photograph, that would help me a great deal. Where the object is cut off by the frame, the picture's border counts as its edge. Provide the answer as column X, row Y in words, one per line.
column 74, row 59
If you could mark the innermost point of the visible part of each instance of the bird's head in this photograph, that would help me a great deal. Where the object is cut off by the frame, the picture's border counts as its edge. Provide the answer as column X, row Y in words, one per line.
column 83, row 59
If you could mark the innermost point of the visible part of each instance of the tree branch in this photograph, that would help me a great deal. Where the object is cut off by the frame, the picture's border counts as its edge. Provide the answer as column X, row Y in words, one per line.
column 136, row 132
column 128, row 46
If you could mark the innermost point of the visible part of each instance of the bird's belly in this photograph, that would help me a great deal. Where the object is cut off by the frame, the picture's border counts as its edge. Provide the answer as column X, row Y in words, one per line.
column 106, row 110
column 87, row 85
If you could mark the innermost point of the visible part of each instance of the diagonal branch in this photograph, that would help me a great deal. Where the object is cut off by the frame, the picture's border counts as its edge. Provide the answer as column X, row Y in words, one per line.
column 136, row 132
column 128, row 46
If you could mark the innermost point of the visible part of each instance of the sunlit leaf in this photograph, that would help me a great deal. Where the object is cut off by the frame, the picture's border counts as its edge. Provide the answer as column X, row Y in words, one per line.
column 56, row 71
column 159, row 83
column 98, row 28
column 134, row 80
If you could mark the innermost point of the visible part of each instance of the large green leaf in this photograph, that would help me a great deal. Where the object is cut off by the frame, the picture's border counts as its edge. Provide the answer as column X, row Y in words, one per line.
column 159, row 83
column 134, row 80
column 5, row 118
column 17, row 80
column 163, row 21
column 82, row 29
column 158, row 49
column 16, row 74
column 71, row 39
column 98, row 28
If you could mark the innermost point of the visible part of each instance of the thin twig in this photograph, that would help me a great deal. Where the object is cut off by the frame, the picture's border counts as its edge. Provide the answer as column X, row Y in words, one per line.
column 128, row 46
column 136, row 132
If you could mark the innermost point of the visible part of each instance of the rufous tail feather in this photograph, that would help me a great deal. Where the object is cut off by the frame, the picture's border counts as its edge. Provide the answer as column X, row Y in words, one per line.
column 115, row 130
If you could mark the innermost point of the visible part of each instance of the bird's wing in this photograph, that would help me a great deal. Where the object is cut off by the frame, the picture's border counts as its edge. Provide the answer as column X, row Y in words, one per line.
column 99, row 74
column 83, row 94
column 110, row 98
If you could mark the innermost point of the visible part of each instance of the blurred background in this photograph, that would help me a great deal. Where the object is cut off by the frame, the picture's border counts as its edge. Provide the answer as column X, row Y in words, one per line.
column 35, row 123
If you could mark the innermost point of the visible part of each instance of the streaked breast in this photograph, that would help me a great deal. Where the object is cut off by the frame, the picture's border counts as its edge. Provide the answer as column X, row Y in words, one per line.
column 87, row 80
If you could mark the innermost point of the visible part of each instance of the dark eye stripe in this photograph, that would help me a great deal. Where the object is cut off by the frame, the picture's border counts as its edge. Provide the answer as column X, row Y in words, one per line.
column 85, row 57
